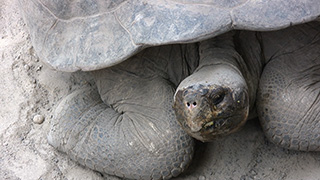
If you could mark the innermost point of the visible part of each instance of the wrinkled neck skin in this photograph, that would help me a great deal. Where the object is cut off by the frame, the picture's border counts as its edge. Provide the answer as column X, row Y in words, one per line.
column 241, row 53
column 219, row 63
column 215, row 100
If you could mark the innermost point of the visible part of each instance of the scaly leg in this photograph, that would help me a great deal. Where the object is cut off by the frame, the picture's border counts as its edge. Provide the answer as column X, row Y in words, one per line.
column 289, row 91
column 132, row 132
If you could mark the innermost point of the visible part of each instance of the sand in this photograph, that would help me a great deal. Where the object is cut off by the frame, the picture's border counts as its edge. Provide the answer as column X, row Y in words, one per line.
column 29, row 91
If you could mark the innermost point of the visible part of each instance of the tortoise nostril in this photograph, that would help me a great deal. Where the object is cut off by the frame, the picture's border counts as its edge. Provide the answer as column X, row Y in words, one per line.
column 191, row 105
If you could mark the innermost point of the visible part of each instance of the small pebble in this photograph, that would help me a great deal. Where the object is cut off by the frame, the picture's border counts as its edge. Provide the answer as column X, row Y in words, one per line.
column 202, row 178
column 38, row 119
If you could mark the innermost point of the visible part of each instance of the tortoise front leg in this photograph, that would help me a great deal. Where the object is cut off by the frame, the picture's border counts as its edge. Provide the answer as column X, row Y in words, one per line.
column 129, row 129
column 289, row 91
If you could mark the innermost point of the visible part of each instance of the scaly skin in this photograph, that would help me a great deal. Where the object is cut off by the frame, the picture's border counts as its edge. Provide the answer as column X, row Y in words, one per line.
column 129, row 128
column 213, row 101
column 289, row 92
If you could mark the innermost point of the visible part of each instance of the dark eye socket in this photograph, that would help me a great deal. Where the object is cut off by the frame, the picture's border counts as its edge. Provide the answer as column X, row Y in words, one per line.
column 217, row 98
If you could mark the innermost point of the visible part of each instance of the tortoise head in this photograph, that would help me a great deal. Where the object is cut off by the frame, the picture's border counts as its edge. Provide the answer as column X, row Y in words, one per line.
column 209, row 110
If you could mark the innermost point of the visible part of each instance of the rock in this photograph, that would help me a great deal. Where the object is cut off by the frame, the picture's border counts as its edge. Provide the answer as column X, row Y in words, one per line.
column 38, row 119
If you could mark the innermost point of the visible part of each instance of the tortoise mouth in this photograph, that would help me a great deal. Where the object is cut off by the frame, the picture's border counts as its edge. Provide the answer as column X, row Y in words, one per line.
column 219, row 127
column 215, row 123
column 207, row 112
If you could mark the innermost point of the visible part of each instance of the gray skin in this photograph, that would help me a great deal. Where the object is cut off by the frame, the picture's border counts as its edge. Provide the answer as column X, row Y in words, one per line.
column 128, row 127
column 288, row 101
column 287, row 95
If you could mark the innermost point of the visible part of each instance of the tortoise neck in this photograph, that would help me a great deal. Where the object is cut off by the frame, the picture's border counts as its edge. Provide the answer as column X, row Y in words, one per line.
column 244, row 57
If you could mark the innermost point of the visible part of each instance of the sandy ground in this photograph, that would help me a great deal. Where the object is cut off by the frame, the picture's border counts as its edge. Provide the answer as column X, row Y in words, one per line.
column 29, row 88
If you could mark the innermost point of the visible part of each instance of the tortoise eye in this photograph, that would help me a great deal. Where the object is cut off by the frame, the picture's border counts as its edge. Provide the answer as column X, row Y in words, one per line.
column 218, row 98
column 217, row 95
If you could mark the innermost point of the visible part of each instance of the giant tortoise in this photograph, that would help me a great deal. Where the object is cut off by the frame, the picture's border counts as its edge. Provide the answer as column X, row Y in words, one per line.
column 167, row 69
